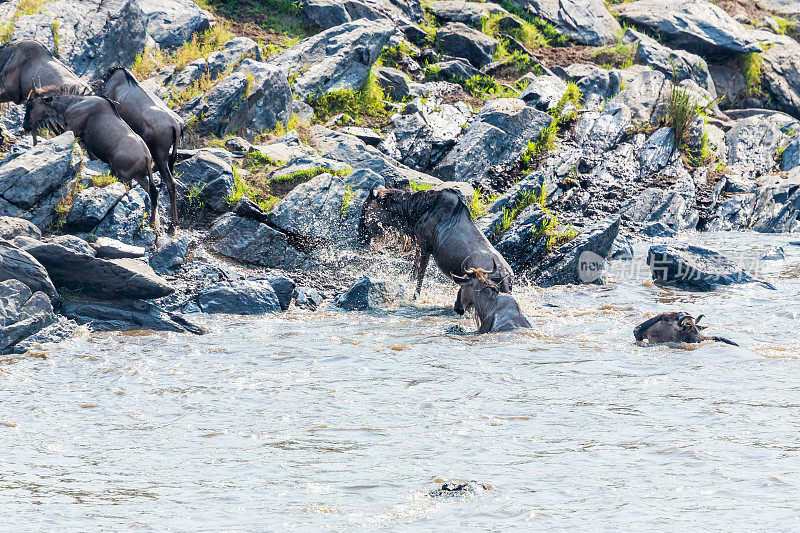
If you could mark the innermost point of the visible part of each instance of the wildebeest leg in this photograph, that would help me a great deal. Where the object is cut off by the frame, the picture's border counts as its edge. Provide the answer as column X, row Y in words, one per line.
column 424, row 257
column 457, row 307
column 163, row 169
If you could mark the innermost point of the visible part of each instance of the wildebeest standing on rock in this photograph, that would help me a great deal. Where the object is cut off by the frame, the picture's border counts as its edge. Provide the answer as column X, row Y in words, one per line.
column 441, row 225
column 148, row 116
column 96, row 122
column 674, row 327
column 494, row 311
column 27, row 65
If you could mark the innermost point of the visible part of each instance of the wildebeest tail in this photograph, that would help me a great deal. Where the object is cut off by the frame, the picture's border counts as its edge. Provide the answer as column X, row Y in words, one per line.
column 723, row 339
column 174, row 155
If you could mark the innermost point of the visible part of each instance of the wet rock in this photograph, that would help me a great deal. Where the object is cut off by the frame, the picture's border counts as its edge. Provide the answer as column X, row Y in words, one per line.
column 251, row 241
column 774, row 254
column 781, row 76
column 470, row 13
column 518, row 245
column 60, row 329
column 674, row 207
column 584, row 21
column 658, row 229
column 752, row 145
column 694, row 268
column 308, row 298
column 498, row 136
column 285, row 289
column 170, row 253
column 33, row 183
column 675, row 64
column 173, row 22
column 71, row 263
column 127, row 222
column 325, row 209
column 338, row 58
column 370, row 293
column 621, row 249
column 581, row 260
column 127, row 315
column 232, row 53
column 22, row 313
column 694, row 24
column 420, row 139
column 93, row 35
column 11, row 227
column 771, row 215
column 459, row 40
column 544, row 92
column 456, row 488
column 357, row 155
column 240, row 297
column 93, row 204
column 733, row 213
column 211, row 175
column 790, row 158
column 19, row 265
column 106, row 248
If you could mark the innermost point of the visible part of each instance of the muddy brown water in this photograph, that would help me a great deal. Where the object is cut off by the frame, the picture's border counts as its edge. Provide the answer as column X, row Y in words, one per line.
column 333, row 420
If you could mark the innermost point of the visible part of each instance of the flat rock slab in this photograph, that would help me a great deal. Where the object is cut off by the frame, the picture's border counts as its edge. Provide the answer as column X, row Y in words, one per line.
column 128, row 315
column 695, row 268
column 694, row 24
column 18, row 264
column 584, row 21
column 71, row 263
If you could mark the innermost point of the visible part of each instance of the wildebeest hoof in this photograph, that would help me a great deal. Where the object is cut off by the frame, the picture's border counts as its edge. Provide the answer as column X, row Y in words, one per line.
column 171, row 229
column 457, row 487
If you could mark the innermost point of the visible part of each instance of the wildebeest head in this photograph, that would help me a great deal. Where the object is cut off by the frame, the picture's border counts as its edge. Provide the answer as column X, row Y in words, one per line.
column 383, row 210
column 43, row 109
column 475, row 284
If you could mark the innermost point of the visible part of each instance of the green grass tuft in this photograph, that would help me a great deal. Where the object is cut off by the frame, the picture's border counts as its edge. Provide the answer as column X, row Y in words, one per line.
column 365, row 102
column 753, row 71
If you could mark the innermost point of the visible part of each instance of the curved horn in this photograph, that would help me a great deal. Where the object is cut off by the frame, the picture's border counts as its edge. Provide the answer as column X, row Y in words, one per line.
column 461, row 280
column 31, row 94
column 494, row 267
column 696, row 320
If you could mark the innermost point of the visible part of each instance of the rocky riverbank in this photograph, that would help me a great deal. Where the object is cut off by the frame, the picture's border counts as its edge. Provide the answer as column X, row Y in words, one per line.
column 568, row 129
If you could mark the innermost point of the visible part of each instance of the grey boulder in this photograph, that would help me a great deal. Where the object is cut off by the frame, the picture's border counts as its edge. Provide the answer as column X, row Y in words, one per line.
column 695, row 24
column 127, row 315
column 240, row 297
column 209, row 174
column 11, row 227
column 370, row 294
column 694, row 268
column 22, row 313
column 338, row 58
column 753, row 145
column 584, row 21
column 251, row 241
column 173, row 22
column 92, row 205
column 782, row 78
column 459, row 40
column 19, row 265
column 35, row 182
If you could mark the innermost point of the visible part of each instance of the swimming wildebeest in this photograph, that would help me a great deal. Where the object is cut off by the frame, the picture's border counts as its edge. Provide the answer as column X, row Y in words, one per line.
column 441, row 225
column 27, row 65
column 95, row 121
column 494, row 311
column 152, row 120
column 674, row 327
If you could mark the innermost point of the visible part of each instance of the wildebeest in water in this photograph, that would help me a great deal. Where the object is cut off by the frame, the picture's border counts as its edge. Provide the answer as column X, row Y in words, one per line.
column 27, row 65
column 674, row 327
column 152, row 120
column 494, row 311
column 95, row 121
column 441, row 225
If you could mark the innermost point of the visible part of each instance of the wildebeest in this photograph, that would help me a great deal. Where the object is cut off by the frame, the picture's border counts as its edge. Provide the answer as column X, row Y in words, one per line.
column 676, row 326
column 441, row 225
column 95, row 121
column 159, row 126
column 27, row 65
column 494, row 311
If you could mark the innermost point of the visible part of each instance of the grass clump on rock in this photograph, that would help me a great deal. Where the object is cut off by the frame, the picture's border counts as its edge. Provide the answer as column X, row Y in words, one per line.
column 201, row 45
column 368, row 101
column 753, row 71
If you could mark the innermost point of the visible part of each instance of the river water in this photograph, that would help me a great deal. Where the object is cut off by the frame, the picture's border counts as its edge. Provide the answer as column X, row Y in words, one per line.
column 332, row 420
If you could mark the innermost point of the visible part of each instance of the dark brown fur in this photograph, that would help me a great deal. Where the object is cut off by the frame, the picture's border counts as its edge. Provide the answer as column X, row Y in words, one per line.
column 95, row 121
column 674, row 327
column 152, row 120
column 441, row 225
